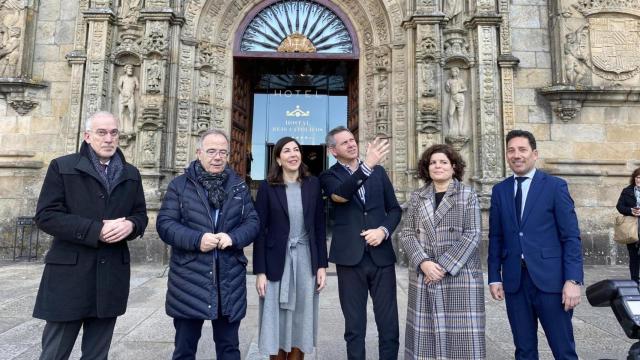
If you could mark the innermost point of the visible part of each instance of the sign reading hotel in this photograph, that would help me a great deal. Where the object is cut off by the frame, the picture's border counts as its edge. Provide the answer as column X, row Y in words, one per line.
column 302, row 117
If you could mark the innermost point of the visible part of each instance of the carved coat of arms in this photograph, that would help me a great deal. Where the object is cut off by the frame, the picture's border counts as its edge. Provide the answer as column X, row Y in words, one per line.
column 615, row 46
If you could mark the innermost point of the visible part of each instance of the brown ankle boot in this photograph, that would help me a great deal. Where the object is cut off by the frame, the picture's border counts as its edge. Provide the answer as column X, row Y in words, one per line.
column 281, row 355
column 295, row 354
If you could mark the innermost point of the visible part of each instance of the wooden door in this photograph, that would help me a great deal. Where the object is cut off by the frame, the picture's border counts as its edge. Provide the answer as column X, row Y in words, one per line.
column 352, row 102
column 239, row 158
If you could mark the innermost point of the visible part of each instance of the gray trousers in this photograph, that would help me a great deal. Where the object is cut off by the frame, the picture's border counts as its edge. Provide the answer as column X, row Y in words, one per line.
column 58, row 338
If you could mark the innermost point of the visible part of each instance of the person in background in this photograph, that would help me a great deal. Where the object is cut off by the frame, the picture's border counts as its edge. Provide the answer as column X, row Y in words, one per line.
column 290, row 254
column 207, row 217
column 440, row 234
column 92, row 203
column 629, row 205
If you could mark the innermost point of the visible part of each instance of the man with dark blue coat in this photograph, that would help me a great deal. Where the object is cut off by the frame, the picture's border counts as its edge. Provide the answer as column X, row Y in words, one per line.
column 92, row 203
column 366, row 213
column 207, row 217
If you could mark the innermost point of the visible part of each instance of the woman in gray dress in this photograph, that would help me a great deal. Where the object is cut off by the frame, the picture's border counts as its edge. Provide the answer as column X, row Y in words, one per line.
column 290, row 254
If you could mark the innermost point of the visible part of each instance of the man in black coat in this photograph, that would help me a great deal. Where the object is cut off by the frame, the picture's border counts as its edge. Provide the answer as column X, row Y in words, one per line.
column 207, row 217
column 366, row 213
column 92, row 203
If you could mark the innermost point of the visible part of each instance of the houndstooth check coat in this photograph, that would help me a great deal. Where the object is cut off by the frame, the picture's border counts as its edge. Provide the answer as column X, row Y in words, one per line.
column 445, row 320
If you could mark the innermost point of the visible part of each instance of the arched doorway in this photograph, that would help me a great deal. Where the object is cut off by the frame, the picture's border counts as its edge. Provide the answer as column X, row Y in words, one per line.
column 295, row 74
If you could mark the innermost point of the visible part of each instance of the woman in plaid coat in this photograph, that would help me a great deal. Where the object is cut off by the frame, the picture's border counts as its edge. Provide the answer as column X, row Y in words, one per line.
column 445, row 316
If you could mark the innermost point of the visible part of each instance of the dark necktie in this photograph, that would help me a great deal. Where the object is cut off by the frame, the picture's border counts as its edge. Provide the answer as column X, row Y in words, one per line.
column 520, row 179
column 103, row 169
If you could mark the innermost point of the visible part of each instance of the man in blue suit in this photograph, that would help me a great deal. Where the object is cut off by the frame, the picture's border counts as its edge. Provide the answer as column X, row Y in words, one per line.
column 535, row 252
column 366, row 213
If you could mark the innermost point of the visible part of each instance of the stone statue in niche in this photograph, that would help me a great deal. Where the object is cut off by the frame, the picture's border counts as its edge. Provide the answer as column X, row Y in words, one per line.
column 128, row 85
column 154, row 77
column 205, row 86
column 9, row 50
column 453, row 8
column 456, row 89
column 129, row 10
column 383, row 84
column 150, row 147
column 574, row 69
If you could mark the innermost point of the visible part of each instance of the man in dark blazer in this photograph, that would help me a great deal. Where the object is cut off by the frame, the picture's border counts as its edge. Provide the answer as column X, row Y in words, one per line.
column 92, row 203
column 535, row 252
column 366, row 213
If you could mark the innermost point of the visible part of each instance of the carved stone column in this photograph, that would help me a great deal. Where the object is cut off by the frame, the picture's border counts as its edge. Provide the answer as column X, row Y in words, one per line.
column 489, row 133
column 98, row 68
column 151, row 127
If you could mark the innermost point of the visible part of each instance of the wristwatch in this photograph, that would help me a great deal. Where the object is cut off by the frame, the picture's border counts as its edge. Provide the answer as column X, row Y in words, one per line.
column 575, row 282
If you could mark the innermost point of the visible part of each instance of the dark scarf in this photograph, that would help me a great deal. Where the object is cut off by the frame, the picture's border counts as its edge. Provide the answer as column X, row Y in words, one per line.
column 114, row 170
column 213, row 183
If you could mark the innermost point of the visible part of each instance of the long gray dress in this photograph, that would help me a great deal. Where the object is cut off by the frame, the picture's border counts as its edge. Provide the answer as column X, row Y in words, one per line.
column 289, row 310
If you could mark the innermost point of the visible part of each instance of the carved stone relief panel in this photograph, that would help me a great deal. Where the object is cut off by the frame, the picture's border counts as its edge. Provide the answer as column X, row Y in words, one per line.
column 129, row 10
column 598, row 42
column 154, row 74
column 16, row 39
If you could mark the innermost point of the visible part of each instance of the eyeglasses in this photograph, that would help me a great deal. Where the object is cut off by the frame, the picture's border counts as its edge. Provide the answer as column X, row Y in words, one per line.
column 102, row 132
column 214, row 152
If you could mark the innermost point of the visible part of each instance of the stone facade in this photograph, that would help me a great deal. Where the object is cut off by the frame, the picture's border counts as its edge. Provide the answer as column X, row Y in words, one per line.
column 458, row 71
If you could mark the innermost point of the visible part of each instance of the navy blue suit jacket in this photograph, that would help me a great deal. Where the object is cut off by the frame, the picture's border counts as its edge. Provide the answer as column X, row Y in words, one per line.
column 269, row 249
column 381, row 208
column 548, row 235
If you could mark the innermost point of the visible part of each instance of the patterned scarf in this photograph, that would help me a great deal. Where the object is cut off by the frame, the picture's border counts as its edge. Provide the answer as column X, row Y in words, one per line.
column 636, row 191
column 213, row 183
column 114, row 170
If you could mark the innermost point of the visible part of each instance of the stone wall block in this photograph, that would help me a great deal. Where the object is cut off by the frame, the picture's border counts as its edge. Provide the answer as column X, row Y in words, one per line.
column 8, row 124
column 543, row 60
column 556, row 150
column 532, row 78
column 540, row 114
column 578, row 132
column 527, row 59
column 45, row 32
column 49, row 10
column 57, row 71
column 605, row 151
column 45, row 125
column 524, row 17
column 68, row 10
column 525, row 96
column 542, row 132
column 46, row 53
column 623, row 133
column 530, row 40
column 65, row 32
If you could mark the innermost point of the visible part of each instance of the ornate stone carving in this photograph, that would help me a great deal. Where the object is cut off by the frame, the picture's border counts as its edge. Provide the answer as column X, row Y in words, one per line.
column 129, row 11
column 457, row 142
column 428, row 121
column 127, row 50
column 429, row 49
column 155, row 39
column 428, row 77
column 383, row 55
column 382, row 119
column 456, row 88
column 204, row 88
column 203, row 120
column 456, row 46
column 149, row 149
column 154, row 74
column 128, row 85
column 23, row 104
column 10, row 39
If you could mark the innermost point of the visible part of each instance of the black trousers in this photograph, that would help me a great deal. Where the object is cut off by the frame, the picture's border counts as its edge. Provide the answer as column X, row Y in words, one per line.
column 225, row 336
column 354, row 285
column 58, row 338
column 634, row 263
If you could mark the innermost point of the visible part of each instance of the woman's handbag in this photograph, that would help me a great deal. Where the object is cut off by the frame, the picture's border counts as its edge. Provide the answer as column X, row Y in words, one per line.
column 625, row 229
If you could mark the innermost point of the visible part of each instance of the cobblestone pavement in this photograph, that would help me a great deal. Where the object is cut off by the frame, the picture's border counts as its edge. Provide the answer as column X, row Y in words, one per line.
column 146, row 332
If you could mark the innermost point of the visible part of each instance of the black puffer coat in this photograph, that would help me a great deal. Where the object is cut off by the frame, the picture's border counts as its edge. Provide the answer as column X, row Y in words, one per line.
column 194, row 283
column 84, row 277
